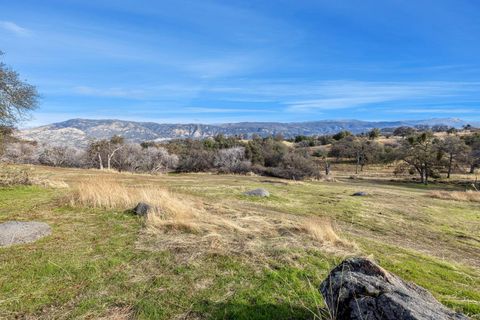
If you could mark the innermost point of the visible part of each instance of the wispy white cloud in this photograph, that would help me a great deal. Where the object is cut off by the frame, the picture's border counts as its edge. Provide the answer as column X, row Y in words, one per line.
column 226, row 110
column 108, row 92
column 222, row 66
column 344, row 95
column 449, row 110
column 14, row 28
column 333, row 103
column 296, row 97
column 134, row 92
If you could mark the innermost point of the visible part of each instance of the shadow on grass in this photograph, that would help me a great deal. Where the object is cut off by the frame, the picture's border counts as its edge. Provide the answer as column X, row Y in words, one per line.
column 264, row 311
column 411, row 184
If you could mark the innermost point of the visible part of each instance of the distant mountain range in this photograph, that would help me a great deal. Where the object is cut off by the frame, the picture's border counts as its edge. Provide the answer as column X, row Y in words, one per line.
column 78, row 132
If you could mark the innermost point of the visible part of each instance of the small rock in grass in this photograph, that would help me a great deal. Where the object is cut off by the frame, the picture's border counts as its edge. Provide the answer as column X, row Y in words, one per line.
column 360, row 194
column 142, row 209
column 258, row 193
column 17, row 232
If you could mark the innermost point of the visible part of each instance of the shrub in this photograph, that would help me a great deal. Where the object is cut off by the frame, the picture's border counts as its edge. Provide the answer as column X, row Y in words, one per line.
column 196, row 160
column 295, row 166
column 19, row 152
column 341, row 135
column 10, row 176
column 232, row 160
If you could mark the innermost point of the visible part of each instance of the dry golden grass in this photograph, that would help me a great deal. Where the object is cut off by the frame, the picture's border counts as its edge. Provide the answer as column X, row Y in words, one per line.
column 118, row 313
column 320, row 229
column 48, row 183
column 168, row 210
column 473, row 196
column 15, row 175
column 185, row 224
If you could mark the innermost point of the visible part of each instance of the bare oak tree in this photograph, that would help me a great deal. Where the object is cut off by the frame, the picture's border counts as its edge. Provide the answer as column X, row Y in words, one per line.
column 104, row 149
column 231, row 160
column 16, row 97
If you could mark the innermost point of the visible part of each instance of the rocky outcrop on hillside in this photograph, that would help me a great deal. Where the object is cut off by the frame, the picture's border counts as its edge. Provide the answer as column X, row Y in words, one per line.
column 359, row 289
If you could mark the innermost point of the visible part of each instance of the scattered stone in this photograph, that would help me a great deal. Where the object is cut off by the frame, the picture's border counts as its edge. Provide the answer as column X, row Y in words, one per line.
column 360, row 194
column 17, row 232
column 355, row 177
column 258, row 193
column 142, row 209
column 360, row 289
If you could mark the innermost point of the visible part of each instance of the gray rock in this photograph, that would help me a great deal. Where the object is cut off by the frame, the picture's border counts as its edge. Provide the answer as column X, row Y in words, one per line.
column 360, row 289
column 258, row 193
column 360, row 194
column 16, row 232
column 142, row 209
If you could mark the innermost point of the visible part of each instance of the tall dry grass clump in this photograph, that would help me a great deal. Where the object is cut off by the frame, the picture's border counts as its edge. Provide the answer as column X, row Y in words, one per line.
column 167, row 209
column 320, row 229
column 472, row 196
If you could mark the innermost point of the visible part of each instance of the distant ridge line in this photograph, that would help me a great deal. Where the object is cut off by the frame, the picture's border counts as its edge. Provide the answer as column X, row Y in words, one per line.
column 78, row 132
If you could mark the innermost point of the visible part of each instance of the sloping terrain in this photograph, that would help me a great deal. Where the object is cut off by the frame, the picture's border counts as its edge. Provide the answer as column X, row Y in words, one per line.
column 105, row 262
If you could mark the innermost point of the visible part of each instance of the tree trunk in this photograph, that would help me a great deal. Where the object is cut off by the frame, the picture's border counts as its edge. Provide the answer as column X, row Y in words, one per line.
column 100, row 161
column 327, row 168
column 110, row 156
column 426, row 176
column 358, row 162
column 422, row 175
column 450, row 162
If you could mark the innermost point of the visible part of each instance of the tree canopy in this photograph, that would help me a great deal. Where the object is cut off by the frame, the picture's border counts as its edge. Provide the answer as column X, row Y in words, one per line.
column 17, row 97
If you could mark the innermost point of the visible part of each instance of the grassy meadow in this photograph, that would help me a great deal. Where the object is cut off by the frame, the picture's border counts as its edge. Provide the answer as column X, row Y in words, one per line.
column 210, row 252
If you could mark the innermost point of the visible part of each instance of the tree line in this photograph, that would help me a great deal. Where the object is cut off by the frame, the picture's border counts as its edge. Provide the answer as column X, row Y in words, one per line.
column 417, row 152
column 265, row 156
column 414, row 151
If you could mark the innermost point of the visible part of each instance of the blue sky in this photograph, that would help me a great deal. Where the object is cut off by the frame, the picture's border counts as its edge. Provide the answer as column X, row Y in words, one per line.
column 231, row 61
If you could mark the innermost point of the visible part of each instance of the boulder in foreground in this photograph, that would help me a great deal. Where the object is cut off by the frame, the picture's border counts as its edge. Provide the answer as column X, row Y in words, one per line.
column 142, row 209
column 260, row 192
column 360, row 194
column 17, row 232
column 360, row 289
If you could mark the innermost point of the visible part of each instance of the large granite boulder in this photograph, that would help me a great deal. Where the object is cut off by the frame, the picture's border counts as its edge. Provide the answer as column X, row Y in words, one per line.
column 17, row 232
column 360, row 194
column 142, row 209
column 258, row 193
column 360, row 289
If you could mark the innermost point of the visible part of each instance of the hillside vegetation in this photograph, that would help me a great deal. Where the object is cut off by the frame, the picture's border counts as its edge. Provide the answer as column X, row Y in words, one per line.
column 422, row 153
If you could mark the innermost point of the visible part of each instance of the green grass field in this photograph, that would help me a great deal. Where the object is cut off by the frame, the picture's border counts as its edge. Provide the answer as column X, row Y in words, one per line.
column 101, row 263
